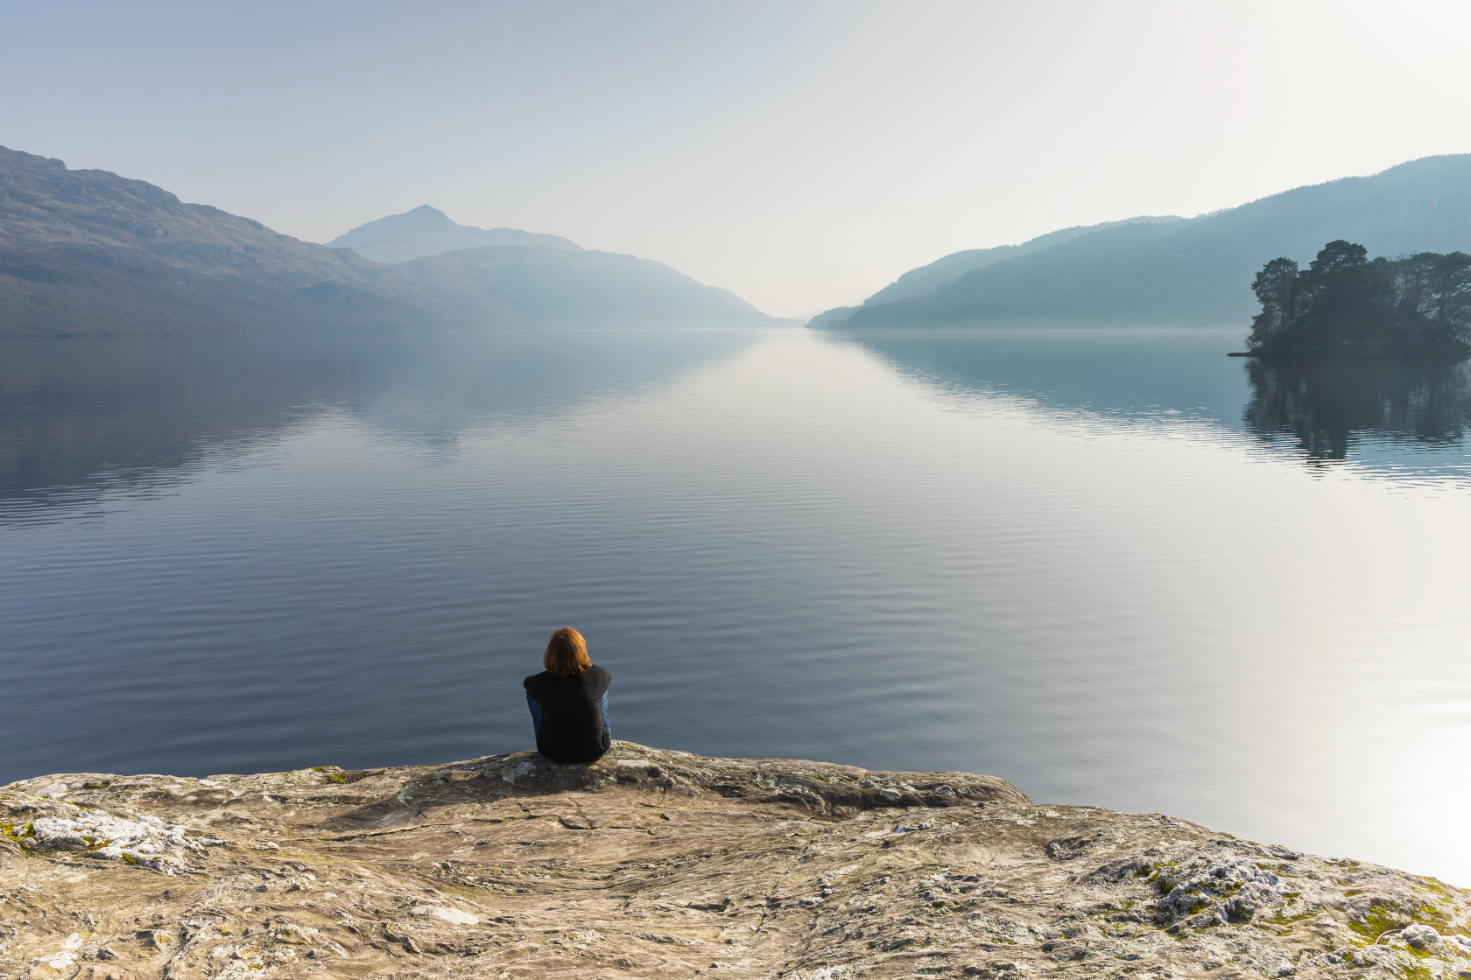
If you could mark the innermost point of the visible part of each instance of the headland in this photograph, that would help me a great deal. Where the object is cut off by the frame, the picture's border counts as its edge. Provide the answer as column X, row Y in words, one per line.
column 653, row 863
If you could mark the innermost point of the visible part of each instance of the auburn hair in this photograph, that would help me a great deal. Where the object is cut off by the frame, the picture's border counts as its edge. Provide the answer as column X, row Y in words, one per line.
column 566, row 653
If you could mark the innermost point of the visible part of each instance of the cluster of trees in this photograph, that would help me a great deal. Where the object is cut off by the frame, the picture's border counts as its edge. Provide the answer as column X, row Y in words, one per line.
column 1344, row 304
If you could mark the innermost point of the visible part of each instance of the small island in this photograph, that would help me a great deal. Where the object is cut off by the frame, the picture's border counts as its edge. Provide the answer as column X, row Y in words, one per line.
column 1344, row 305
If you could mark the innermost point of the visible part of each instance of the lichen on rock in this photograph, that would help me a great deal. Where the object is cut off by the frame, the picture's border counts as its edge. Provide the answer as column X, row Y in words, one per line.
column 655, row 864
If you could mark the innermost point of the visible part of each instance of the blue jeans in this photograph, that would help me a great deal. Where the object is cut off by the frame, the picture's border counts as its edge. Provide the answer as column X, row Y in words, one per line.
column 536, row 716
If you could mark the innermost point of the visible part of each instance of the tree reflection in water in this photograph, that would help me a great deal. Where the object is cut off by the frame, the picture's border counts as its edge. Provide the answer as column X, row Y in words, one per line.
column 1329, row 406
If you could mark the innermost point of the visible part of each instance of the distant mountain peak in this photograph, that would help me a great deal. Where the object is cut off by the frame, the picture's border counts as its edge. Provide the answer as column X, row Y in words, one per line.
column 421, row 219
column 88, row 252
column 429, row 231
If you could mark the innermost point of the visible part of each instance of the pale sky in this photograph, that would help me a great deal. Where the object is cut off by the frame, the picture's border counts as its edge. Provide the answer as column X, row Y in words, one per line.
column 801, row 154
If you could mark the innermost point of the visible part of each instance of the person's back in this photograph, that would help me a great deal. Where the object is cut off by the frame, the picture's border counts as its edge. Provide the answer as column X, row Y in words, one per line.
column 569, row 701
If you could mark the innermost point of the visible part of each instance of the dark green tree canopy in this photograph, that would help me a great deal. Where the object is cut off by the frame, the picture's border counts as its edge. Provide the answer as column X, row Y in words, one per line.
column 1343, row 304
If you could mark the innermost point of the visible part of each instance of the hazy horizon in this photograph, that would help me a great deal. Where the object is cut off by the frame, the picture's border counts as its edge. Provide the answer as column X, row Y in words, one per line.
column 803, row 157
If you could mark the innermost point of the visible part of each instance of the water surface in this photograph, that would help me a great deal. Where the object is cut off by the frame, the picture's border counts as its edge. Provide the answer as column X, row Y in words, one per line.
column 1113, row 567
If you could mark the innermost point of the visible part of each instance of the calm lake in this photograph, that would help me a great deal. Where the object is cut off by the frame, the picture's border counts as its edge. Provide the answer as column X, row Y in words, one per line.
column 1114, row 567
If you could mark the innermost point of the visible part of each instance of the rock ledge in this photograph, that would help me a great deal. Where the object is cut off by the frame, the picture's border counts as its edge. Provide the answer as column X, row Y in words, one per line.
column 654, row 863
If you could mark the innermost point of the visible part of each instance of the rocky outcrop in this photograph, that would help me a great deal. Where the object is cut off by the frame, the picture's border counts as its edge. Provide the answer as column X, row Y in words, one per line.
column 663, row 864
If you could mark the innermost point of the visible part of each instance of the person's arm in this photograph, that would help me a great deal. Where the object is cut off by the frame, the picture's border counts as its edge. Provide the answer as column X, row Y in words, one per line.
column 607, row 725
column 535, row 707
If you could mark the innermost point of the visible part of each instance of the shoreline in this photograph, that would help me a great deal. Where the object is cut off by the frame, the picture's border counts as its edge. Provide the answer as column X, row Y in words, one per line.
column 658, row 863
column 1354, row 357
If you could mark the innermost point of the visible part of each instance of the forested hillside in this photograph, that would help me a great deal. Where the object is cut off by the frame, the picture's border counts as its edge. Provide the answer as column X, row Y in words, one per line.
column 1199, row 271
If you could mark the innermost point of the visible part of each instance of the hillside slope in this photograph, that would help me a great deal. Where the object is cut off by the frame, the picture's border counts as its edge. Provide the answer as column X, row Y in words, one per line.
column 429, row 231
column 928, row 278
column 89, row 252
column 539, row 286
column 1196, row 272
column 86, row 252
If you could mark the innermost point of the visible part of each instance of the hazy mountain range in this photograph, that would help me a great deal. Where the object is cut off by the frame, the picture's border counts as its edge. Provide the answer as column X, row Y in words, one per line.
column 1160, row 271
column 429, row 231
column 89, row 252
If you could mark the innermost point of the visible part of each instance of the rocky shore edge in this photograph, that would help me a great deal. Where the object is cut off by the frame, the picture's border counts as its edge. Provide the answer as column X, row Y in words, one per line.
column 656, row 863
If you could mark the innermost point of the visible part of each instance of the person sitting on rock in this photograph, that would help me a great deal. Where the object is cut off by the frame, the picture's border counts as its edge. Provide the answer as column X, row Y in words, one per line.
column 569, row 701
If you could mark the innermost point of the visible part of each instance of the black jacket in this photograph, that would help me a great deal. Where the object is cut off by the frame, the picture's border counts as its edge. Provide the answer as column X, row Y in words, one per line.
column 572, row 727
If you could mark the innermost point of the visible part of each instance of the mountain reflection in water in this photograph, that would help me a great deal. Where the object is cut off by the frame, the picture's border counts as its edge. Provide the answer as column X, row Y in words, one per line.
column 80, row 418
column 1144, row 374
column 1395, row 420
column 1056, row 556
column 1327, row 406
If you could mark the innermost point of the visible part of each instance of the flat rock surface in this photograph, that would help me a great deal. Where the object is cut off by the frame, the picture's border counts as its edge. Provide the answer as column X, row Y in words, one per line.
column 663, row 864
